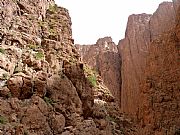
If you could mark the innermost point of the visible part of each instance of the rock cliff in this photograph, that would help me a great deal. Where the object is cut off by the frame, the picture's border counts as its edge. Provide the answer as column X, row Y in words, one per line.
column 104, row 58
column 141, row 30
column 159, row 111
column 44, row 87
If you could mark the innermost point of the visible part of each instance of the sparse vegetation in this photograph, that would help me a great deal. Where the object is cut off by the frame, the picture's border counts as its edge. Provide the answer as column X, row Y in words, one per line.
column 32, row 46
column 17, row 70
column 5, row 76
column 91, row 75
column 26, row 133
column 39, row 55
column 3, row 120
column 48, row 100
column 42, row 23
column 53, row 8
column 2, row 50
column 9, row 95
column 52, row 32
column 15, row 1
column 110, row 118
column 92, row 79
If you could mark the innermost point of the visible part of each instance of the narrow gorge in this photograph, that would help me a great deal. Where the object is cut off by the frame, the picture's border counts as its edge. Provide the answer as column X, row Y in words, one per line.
column 51, row 86
column 147, row 55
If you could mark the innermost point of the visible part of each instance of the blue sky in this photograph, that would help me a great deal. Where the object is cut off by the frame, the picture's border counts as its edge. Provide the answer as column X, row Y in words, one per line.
column 93, row 19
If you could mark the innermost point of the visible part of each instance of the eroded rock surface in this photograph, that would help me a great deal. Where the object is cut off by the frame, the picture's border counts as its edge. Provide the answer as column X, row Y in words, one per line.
column 44, row 87
column 104, row 58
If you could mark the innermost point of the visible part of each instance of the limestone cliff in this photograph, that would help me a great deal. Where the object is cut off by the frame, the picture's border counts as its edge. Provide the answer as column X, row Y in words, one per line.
column 104, row 58
column 44, row 88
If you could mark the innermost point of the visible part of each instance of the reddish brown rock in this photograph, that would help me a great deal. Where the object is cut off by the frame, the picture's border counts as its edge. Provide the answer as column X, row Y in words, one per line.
column 62, row 92
column 40, row 83
column 75, row 73
column 141, row 30
column 104, row 58
column 133, row 50
column 20, row 86
column 159, row 113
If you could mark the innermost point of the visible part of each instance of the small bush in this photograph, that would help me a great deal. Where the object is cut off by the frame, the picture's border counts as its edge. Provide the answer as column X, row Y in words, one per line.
column 39, row 55
column 48, row 100
column 53, row 8
column 32, row 46
column 92, row 79
column 52, row 32
column 2, row 51
column 42, row 24
column 3, row 120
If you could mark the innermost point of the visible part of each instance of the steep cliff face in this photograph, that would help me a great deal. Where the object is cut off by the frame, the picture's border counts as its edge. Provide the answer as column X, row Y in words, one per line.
column 105, row 59
column 141, row 30
column 159, row 113
column 133, row 50
column 44, row 88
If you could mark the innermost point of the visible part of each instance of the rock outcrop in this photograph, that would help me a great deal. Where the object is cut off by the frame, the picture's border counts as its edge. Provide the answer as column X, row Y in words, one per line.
column 104, row 58
column 141, row 30
column 44, row 87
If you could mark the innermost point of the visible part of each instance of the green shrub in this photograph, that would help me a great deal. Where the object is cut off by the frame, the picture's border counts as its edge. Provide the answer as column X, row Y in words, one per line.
column 39, row 55
column 2, row 50
column 92, row 79
column 48, row 100
column 53, row 8
column 42, row 24
column 3, row 120
column 52, row 32
column 32, row 46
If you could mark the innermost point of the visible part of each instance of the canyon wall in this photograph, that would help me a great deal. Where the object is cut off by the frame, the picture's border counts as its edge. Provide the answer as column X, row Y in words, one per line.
column 141, row 30
column 104, row 58
column 160, row 97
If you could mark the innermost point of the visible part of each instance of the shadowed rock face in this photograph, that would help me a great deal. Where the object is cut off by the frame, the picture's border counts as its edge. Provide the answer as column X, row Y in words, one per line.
column 141, row 30
column 105, row 59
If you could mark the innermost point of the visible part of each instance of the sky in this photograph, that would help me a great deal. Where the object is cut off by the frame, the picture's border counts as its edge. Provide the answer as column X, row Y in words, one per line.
column 93, row 19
